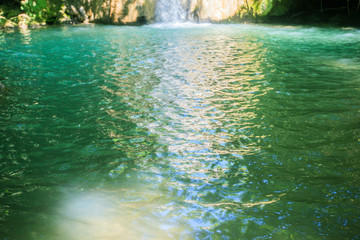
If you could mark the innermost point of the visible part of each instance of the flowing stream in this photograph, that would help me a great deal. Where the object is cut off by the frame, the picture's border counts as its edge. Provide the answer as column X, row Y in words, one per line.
column 182, row 132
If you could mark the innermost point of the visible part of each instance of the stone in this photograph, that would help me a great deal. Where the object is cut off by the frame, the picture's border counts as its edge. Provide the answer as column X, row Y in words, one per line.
column 14, row 19
column 133, row 12
column 10, row 24
column 24, row 20
column 34, row 24
column 112, row 11
column 143, row 11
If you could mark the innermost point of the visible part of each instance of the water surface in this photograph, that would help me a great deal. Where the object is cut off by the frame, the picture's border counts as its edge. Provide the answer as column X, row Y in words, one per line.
column 180, row 132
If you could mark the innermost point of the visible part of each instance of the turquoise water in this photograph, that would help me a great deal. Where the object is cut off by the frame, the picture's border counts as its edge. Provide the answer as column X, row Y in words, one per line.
column 180, row 132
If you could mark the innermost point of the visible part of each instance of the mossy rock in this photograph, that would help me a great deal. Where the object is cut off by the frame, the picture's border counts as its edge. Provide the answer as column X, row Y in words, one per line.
column 2, row 21
column 24, row 20
column 14, row 19
column 281, row 8
column 2, row 11
column 34, row 24
column 10, row 24
column 260, row 7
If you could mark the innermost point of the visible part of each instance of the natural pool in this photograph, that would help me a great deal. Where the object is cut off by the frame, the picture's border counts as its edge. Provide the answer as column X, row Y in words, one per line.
column 180, row 132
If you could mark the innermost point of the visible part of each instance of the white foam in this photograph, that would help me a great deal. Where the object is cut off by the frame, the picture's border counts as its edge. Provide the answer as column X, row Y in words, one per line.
column 170, row 11
column 176, row 25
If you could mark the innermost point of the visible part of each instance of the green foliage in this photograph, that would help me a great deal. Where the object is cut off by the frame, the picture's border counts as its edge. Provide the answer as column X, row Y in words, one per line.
column 2, row 23
column 261, row 7
column 42, row 10
column 281, row 7
column 36, row 9
column 9, row 11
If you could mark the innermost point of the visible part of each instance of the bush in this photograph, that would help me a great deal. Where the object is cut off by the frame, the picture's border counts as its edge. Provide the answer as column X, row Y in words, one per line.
column 36, row 9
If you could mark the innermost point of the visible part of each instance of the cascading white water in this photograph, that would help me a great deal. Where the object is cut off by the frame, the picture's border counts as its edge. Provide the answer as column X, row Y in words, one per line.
column 170, row 11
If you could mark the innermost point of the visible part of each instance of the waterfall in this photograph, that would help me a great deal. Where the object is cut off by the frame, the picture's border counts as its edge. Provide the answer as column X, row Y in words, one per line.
column 170, row 11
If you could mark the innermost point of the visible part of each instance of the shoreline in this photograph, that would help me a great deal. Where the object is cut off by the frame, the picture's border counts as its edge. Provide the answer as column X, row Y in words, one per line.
column 13, row 18
column 337, row 21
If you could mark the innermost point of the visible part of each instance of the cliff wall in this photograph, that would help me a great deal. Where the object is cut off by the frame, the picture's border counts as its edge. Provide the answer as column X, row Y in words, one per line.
column 142, row 11
column 111, row 11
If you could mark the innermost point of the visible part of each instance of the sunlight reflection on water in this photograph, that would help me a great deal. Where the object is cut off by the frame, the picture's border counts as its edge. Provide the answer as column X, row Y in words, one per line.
column 121, row 214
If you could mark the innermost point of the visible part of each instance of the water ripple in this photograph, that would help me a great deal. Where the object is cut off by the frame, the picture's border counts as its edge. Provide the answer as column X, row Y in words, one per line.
column 195, row 132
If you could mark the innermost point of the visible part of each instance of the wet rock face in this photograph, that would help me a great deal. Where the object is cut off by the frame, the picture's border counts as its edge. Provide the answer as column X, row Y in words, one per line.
column 215, row 10
column 24, row 13
column 141, row 11
column 112, row 11
column 219, row 10
column 24, row 20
